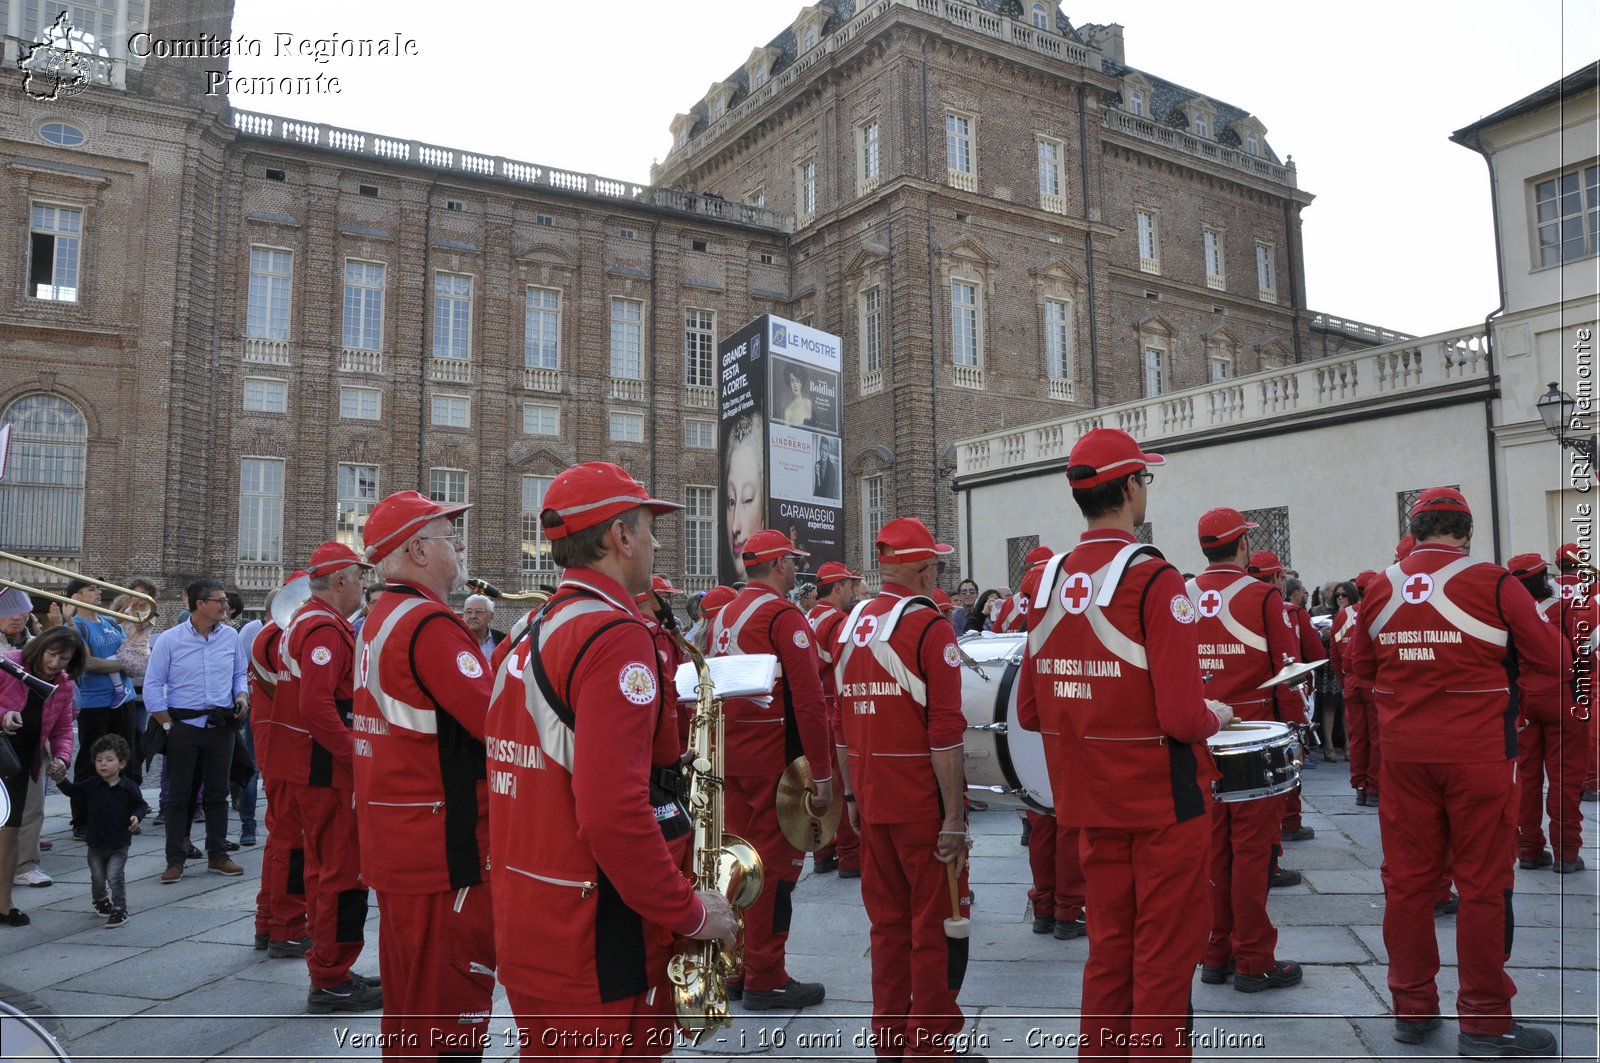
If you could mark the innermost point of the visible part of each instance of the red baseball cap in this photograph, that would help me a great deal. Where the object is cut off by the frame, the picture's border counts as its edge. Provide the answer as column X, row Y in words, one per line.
column 715, row 599
column 769, row 544
column 1038, row 556
column 1403, row 548
column 658, row 585
column 1524, row 565
column 833, row 572
column 1264, row 563
column 298, row 574
column 942, row 600
column 331, row 557
column 1569, row 555
column 399, row 517
column 1364, row 579
column 907, row 539
column 1111, row 453
column 592, row 493
column 1440, row 500
column 1221, row 526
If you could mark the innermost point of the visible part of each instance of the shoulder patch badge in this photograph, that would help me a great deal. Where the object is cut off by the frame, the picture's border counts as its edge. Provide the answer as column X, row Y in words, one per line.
column 468, row 665
column 321, row 655
column 1182, row 610
column 801, row 639
column 638, row 683
column 952, row 656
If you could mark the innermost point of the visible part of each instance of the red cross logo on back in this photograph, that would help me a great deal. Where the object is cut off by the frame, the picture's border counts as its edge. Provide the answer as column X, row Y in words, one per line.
column 866, row 627
column 724, row 640
column 1076, row 592
column 1417, row 589
column 1210, row 604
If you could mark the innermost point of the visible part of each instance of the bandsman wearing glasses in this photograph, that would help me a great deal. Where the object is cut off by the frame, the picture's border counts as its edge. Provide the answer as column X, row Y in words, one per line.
column 762, row 740
column 422, row 691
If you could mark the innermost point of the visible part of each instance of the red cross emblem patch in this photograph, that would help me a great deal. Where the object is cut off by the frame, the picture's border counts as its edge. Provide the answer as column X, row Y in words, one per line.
column 1210, row 604
column 866, row 627
column 1076, row 592
column 1416, row 589
column 724, row 640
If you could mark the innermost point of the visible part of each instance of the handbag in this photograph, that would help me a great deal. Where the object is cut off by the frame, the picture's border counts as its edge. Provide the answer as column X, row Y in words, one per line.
column 10, row 763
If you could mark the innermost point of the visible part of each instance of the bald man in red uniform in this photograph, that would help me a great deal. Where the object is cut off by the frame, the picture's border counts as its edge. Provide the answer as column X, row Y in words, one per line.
column 1244, row 639
column 1434, row 635
column 1113, row 667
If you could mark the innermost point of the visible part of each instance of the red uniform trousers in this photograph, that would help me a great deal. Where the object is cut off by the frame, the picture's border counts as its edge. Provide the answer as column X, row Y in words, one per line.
column 1455, row 817
column 1242, row 836
column 906, row 891
column 336, row 901
column 1361, row 728
column 281, row 901
column 1147, row 929
column 436, row 957
column 750, row 810
column 640, row 1027
column 1291, row 810
column 1057, row 870
column 1552, row 746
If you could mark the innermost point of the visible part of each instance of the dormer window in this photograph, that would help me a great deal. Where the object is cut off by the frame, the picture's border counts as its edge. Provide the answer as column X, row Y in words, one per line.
column 808, row 27
column 1252, row 144
column 1137, row 94
column 758, row 67
column 683, row 135
column 1201, row 127
column 1136, row 103
column 718, row 109
column 758, row 75
column 682, row 126
column 1201, row 115
column 809, row 40
column 1041, row 17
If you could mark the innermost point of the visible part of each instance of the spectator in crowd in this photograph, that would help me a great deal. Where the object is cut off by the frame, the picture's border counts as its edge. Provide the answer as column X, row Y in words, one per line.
column 196, row 689
column 479, row 618
column 966, row 600
column 101, row 692
column 235, row 610
column 35, row 722
column 115, row 807
column 15, row 612
column 978, row 615
column 134, row 656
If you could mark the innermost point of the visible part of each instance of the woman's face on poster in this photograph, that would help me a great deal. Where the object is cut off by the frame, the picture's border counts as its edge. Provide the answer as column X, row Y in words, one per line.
column 744, row 498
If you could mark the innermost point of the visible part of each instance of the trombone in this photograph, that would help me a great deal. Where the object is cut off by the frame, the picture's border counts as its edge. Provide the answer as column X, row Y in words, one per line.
column 131, row 618
column 489, row 590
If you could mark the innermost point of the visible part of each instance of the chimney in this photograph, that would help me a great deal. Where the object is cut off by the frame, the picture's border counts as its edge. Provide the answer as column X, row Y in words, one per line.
column 1107, row 40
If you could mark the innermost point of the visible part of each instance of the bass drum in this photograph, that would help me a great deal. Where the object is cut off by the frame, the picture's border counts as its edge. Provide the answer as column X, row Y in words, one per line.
column 1005, row 764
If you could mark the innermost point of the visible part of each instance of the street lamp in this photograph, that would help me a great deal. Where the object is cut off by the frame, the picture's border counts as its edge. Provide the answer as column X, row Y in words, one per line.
column 1555, row 410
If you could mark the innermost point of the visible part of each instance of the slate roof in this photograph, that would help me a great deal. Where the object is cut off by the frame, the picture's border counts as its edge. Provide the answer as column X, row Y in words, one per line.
column 1166, row 102
column 1580, row 80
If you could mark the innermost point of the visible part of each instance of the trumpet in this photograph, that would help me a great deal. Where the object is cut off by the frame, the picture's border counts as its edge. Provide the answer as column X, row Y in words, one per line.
column 489, row 590
column 132, row 618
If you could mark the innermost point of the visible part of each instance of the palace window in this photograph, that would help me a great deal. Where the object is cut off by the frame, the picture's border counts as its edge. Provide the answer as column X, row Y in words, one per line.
column 261, row 511
column 1567, row 215
column 41, row 496
column 541, row 329
column 267, row 303
column 55, row 241
column 452, row 315
column 363, row 305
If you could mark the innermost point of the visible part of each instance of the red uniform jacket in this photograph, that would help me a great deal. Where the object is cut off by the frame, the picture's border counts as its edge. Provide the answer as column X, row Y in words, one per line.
column 1116, row 691
column 1311, row 648
column 826, row 620
column 1435, row 635
column 587, row 894
column 1244, row 636
column 1014, row 610
column 899, row 701
column 1544, row 697
column 421, row 694
column 762, row 740
column 311, row 733
column 266, row 669
column 1344, row 622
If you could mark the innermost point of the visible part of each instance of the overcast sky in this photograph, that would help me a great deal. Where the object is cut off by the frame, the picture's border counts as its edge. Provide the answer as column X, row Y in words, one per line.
column 1363, row 95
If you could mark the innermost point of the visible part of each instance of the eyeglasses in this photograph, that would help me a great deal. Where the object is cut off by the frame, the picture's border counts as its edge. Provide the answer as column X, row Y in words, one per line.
column 1144, row 477
column 1343, row 595
column 215, row 601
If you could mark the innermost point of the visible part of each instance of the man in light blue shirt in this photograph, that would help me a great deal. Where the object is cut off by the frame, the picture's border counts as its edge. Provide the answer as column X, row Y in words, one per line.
column 196, row 688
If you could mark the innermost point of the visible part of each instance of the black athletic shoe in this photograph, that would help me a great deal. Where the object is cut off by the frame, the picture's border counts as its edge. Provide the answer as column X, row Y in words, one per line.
column 192, row 853
column 1067, row 930
column 1361, row 796
column 1412, row 1031
column 118, row 918
column 1520, row 1040
column 792, row 996
column 352, row 994
column 1044, row 924
column 261, row 942
column 1567, row 867
column 1283, row 973
column 1216, row 975
column 1304, row 834
column 1533, row 863
column 103, row 906
column 292, row 949
column 822, row 867
column 1285, row 877
column 1448, row 907
column 849, row 872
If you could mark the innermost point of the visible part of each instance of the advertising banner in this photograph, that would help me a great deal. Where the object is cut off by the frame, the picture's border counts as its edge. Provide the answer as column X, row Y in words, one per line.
column 779, row 440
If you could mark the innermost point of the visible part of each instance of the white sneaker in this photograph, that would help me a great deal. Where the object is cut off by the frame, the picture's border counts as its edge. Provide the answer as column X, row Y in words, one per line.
column 35, row 877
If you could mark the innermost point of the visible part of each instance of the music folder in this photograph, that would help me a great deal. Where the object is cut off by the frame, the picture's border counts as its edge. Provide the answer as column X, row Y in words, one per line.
column 748, row 675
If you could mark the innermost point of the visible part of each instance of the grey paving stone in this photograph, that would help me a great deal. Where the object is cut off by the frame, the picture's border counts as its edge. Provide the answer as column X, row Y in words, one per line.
column 166, row 972
column 50, row 963
column 83, row 1013
column 153, row 927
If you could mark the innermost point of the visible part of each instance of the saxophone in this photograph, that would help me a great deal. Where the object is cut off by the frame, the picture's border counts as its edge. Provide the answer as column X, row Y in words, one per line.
column 722, row 862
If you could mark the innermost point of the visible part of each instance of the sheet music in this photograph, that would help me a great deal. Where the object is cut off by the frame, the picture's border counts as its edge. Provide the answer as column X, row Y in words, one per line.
column 747, row 675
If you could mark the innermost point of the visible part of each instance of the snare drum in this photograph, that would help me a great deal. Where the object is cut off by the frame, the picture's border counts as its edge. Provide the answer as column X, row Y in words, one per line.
column 1005, row 764
column 1257, row 758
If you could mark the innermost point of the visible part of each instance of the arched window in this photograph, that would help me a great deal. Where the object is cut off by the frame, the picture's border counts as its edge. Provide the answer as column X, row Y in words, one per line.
column 41, row 497
column 1136, row 103
column 1041, row 17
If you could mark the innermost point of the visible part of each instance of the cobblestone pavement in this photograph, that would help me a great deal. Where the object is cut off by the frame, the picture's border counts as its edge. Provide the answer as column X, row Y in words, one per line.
column 182, row 981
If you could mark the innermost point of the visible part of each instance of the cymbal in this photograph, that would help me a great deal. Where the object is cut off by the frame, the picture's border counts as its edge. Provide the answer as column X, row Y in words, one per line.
column 1293, row 673
column 804, row 829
